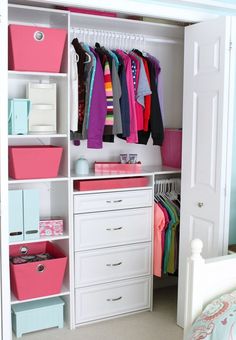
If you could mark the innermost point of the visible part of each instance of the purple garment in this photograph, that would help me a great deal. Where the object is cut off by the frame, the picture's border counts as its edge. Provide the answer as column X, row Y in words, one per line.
column 98, row 109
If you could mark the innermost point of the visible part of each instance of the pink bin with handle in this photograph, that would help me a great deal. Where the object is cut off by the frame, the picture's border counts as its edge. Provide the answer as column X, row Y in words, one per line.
column 35, row 279
column 171, row 150
column 36, row 161
column 38, row 49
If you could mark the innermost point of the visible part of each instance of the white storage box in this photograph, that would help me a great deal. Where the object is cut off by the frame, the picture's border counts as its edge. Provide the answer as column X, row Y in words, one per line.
column 43, row 115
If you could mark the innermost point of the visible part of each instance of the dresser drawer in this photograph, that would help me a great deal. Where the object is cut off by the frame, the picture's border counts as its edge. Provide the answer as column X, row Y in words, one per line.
column 104, row 229
column 112, row 200
column 104, row 265
column 101, row 301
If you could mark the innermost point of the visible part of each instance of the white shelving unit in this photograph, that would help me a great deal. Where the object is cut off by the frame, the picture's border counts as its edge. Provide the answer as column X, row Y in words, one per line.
column 57, row 194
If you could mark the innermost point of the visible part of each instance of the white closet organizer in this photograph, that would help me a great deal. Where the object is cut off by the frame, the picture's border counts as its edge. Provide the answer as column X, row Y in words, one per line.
column 206, row 133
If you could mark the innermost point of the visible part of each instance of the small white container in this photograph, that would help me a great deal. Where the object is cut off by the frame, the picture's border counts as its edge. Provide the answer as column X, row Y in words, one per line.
column 43, row 115
column 81, row 166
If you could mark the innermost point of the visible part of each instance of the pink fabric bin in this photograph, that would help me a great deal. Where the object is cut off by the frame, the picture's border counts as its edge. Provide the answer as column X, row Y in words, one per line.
column 171, row 150
column 26, row 162
column 111, row 183
column 38, row 49
column 35, row 279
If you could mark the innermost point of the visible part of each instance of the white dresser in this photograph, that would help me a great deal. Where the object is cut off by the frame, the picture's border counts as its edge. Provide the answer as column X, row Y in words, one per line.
column 112, row 253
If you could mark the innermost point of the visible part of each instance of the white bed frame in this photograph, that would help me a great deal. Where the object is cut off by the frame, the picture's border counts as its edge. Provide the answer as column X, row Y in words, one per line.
column 206, row 280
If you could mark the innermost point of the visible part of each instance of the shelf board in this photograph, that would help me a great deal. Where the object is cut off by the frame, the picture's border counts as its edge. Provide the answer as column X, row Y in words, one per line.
column 63, row 292
column 58, row 135
column 145, row 171
column 38, row 74
column 37, row 180
column 42, row 239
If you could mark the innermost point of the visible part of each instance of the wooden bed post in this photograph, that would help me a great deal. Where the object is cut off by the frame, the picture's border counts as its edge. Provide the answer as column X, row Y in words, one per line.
column 194, row 286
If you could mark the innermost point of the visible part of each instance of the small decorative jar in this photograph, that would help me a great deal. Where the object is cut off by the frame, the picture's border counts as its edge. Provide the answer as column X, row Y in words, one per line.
column 81, row 166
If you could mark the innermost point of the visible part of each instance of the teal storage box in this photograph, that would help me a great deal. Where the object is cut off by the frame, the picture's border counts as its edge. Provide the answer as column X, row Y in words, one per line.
column 31, row 214
column 37, row 315
column 18, row 114
column 15, row 210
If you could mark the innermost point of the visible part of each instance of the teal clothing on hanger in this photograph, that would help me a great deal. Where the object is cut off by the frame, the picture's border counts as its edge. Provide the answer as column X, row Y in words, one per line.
column 173, row 221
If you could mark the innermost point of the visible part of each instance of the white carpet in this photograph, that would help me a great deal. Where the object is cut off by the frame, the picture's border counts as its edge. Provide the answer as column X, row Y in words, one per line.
column 157, row 325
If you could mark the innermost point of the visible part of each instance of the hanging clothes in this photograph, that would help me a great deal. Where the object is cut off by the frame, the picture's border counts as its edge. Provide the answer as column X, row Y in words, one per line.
column 130, row 83
column 166, row 233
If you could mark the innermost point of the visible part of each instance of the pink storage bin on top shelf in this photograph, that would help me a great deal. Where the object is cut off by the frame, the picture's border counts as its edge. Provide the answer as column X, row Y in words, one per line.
column 171, row 150
column 90, row 11
column 36, row 161
column 35, row 279
column 38, row 49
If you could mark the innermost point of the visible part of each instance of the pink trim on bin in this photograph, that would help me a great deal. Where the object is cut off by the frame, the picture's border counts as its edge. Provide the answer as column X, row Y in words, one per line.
column 30, row 281
column 26, row 162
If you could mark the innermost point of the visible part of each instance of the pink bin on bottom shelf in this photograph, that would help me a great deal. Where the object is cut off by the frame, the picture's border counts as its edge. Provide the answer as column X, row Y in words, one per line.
column 35, row 279
column 37, row 161
column 38, row 49
column 171, row 150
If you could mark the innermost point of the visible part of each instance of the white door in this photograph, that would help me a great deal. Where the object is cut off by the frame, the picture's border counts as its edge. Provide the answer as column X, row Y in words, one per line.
column 205, row 138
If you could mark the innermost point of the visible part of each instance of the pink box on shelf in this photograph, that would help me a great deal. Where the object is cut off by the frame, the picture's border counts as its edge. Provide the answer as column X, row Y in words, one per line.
column 30, row 48
column 37, row 161
column 116, row 167
column 35, row 279
column 50, row 227
column 171, row 150
column 89, row 11
column 111, row 183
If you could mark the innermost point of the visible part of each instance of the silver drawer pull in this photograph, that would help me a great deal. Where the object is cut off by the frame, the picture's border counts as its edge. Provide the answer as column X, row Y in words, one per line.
column 113, row 264
column 116, row 299
column 115, row 201
column 111, row 229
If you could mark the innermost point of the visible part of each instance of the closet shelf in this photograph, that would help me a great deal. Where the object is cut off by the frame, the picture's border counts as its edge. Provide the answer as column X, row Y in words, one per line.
column 63, row 292
column 145, row 171
column 42, row 239
column 76, row 192
column 39, row 74
column 59, row 135
column 37, row 180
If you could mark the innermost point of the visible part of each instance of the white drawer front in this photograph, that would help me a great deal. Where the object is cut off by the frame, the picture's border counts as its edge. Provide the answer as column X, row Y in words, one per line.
column 98, row 266
column 96, row 230
column 106, row 300
column 112, row 200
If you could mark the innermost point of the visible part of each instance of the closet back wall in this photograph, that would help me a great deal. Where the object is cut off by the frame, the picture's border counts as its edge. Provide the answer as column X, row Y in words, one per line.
column 170, row 56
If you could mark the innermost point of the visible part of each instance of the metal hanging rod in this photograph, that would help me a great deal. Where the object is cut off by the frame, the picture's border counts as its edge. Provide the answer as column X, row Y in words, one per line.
column 136, row 38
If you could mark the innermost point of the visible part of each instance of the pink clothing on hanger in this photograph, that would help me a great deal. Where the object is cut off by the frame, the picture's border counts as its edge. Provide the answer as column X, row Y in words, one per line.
column 133, row 138
column 139, row 108
column 159, row 225
column 167, row 220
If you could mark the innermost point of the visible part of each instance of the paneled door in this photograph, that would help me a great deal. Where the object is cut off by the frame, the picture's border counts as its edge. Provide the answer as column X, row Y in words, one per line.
column 206, row 128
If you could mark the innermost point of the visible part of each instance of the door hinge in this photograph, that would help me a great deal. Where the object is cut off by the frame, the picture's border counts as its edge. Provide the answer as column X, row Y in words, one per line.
column 230, row 45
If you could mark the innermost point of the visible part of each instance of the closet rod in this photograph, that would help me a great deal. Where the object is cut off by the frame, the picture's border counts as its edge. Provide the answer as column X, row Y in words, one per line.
column 130, row 36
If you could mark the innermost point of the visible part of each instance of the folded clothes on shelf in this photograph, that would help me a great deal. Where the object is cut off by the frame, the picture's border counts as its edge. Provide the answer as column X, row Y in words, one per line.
column 30, row 258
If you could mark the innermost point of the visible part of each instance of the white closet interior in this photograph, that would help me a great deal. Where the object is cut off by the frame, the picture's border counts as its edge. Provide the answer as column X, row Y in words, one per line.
column 165, row 41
